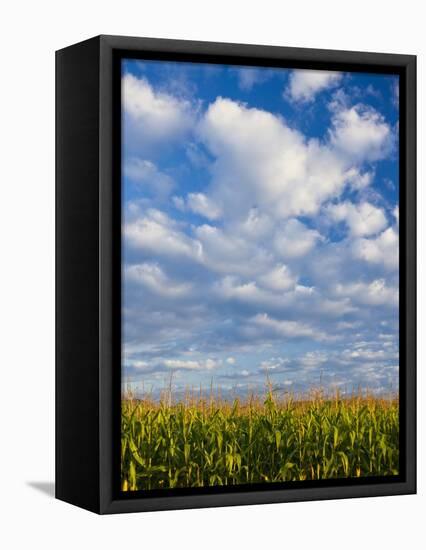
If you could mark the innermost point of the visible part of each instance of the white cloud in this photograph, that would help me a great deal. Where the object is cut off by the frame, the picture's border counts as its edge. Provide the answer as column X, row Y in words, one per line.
column 376, row 293
column 359, row 180
column 395, row 212
column 153, row 114
column 159, row 365
column 153, row 277
column 231, row 289
column 228, row 252
column 182, row 364
column 274, row 365
column 285, row 328
column 383, row 250
column 360, row 132
column 255, row 226
column 262, row 163
column 235, row 375
column 368, row 355
column 296, row 298
column 304, row 85
column 363, row 219
column 313, row 359
column 278, row 279
column 250, row 76
column 293, row 239
column 140, row 365
column 200, row 204
column 145, row 173
column 334, row 308
column 230, row 360
column 157, row 233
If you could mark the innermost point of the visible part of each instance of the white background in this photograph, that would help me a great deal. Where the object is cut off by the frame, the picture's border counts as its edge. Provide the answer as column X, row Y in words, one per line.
column 30, row 32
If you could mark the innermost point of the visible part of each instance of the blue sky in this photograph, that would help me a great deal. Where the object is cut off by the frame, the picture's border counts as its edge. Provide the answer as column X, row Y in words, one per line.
column 260, row 228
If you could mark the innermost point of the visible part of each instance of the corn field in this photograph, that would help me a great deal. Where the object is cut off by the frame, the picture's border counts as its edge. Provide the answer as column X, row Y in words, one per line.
column 210, row 442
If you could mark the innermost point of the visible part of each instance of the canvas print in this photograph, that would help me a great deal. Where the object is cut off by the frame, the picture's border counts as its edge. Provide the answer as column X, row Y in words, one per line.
column 260, row 275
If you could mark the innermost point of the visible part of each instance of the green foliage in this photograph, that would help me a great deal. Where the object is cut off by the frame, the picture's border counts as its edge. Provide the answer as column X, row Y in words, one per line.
column 215, row 443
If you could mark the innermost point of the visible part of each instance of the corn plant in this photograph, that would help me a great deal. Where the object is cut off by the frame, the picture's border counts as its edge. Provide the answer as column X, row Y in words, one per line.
column 203, row 443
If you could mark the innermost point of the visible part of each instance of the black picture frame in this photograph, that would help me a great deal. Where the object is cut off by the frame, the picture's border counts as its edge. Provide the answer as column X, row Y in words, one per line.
column 88, row 271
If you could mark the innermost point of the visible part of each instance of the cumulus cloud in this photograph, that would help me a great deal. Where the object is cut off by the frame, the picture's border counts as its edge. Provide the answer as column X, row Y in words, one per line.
column 382, row 250
column 142, row 365
column 145, row 174
column 209, row 246
column 228, row 252
column 250, row 76
column 236, row 375
column 158, row 233
column 233, row 261
column 375, row 293
column 304, row 85
column 362, row 219
column 360, row 132
column 359, row 180
column 151, row 114
column 261, row 162
column 139, row 367
column 262, row 168
column 313, row 359
column 153, row 277
column 256, row 225
column 200, row 204
column 395, row 212
column 278, row 278
column 368, row 355
column 293, row 239
column 274, row 365
column 181, row 364
column 285, row 328
column 231, row 288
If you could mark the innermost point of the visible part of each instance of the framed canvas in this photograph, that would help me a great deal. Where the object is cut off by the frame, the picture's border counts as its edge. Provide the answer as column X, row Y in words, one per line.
column 236, row 283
